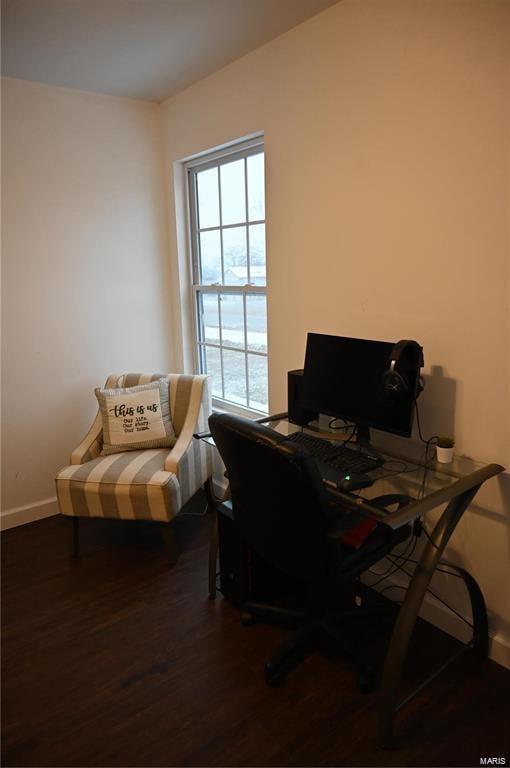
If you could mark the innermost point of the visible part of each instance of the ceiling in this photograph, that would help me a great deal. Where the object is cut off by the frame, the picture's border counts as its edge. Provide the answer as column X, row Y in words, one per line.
column 142, row 49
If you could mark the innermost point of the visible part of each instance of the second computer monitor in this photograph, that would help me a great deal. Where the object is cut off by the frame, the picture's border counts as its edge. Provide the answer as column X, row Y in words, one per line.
column 345, row 378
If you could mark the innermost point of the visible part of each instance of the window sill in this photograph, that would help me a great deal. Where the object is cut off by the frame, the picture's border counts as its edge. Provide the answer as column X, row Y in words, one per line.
column 223, row 406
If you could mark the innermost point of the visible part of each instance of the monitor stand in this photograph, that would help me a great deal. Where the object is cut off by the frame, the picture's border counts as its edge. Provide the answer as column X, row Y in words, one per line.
column 365, row 445
column 363, row 436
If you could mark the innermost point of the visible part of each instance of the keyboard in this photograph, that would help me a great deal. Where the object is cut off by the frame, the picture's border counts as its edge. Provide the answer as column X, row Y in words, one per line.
column 337, row 455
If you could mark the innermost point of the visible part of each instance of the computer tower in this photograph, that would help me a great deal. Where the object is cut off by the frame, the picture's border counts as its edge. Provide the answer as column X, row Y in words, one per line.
column 244, row 576
column 235, row 561
column 297, row 413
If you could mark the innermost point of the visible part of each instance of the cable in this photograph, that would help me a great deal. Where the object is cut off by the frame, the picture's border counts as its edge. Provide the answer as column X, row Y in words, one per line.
column 353, row 427
column 437, row 568
column 396, row 566
column 460, row 616
column 418, row 422
column 428, row 442
column 193, row 514
column 351, row 436
column 344, row 426
column 427, row 535
column 404, row 556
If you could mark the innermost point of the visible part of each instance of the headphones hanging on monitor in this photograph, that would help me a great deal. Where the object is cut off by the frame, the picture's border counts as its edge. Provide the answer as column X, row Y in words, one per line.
column 395, row 385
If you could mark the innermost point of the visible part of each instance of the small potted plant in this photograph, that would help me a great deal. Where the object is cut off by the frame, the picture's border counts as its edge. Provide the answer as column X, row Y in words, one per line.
column 444, row 449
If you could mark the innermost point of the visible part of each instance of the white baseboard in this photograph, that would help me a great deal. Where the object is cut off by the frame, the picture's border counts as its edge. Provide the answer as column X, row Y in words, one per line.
column 10, row 518
column 441, row 617
column 499, row 649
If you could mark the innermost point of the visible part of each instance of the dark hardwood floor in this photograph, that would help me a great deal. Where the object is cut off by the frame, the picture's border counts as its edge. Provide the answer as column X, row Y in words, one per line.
column 113, row 659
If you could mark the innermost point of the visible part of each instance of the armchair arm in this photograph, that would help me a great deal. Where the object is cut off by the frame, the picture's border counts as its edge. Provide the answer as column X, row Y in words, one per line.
column 189, row 459
column 90, row 446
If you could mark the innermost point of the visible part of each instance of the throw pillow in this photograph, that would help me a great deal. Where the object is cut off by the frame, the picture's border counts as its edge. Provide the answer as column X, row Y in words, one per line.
column 136, row 417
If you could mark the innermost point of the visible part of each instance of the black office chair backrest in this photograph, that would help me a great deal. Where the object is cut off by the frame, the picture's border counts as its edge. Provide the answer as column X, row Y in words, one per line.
column 277, row 496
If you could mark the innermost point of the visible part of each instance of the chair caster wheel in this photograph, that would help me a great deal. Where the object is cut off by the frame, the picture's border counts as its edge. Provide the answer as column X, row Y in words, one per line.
column 366, row 680
column 273, row 678
column 247, row 618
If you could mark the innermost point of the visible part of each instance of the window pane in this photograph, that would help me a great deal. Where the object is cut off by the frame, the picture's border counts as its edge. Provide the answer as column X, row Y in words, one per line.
column 210, row 257
column 257, row 234
column 256, row 207
column 208, row 317
column 228, row 250
column 232, row 320
column 208, row 205
column 257, row 376
column 234, row 256
column 234, row 373
column 256, row 322
column 213, row 368
column 233, row 208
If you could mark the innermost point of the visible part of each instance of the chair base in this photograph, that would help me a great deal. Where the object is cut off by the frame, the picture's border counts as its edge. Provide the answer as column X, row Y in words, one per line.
column 312, row 633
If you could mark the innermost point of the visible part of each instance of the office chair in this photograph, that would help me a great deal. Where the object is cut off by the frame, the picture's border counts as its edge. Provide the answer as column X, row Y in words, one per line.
column 284, row 512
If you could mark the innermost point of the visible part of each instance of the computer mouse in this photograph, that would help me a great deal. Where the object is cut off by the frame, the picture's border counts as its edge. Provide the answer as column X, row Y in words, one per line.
column 354, row 481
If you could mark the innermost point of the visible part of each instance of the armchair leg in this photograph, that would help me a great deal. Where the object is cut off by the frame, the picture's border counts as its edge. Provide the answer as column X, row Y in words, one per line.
column 75, row 536
column 168, row 536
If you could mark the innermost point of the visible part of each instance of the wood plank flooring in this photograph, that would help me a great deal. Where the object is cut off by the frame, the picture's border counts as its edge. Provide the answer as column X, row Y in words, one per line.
column 113, row 659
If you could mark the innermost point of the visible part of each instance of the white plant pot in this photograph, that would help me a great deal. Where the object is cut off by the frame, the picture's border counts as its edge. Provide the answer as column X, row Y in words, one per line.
column 444, row 455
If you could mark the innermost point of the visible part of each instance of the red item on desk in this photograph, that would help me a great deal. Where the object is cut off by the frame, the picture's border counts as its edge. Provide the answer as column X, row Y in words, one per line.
column 356, row 536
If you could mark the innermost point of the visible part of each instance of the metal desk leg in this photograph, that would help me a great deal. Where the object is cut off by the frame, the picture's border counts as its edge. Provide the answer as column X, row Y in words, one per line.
column 214, row 543
column 402, row 632
column 480, row 639
column 213, row 546
column 213, row 557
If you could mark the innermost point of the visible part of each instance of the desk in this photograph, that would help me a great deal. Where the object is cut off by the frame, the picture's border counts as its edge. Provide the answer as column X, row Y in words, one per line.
column 429, row 486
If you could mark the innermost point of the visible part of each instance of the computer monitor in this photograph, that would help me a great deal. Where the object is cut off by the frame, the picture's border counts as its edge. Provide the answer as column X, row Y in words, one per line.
column 345, row 378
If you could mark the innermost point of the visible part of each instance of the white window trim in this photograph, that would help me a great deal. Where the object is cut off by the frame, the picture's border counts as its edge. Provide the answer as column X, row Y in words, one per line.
column 243, row 148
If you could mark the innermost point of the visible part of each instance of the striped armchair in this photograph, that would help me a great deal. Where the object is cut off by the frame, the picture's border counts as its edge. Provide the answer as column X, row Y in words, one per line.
column 150, row 484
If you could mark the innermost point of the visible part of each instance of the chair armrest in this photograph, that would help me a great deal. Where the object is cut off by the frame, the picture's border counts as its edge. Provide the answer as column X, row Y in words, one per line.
column 350, row 516
column 262, row 420
column 274, row 417
column 90, row 446
column 199, row 408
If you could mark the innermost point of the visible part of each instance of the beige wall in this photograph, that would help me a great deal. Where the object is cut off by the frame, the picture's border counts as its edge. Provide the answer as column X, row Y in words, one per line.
column 387, row 172
column 84, row 270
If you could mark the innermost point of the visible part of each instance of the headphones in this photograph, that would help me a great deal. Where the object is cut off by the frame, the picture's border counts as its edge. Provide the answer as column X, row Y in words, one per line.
column 395, row 385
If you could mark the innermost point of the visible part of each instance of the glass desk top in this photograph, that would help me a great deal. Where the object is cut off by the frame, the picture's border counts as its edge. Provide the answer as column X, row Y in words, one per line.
column 405, row 470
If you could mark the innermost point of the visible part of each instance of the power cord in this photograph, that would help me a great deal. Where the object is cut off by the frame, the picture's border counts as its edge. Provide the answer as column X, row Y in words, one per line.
column 436, row 596
column 193, row 514
column 392, row 569
column 431, row 441
column 437, row 568
column 345, row 425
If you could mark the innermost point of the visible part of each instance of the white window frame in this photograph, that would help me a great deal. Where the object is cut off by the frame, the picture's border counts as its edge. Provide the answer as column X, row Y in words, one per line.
column 240, row 150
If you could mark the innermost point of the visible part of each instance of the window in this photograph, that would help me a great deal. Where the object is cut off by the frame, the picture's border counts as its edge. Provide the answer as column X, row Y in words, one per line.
column 227, row 214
